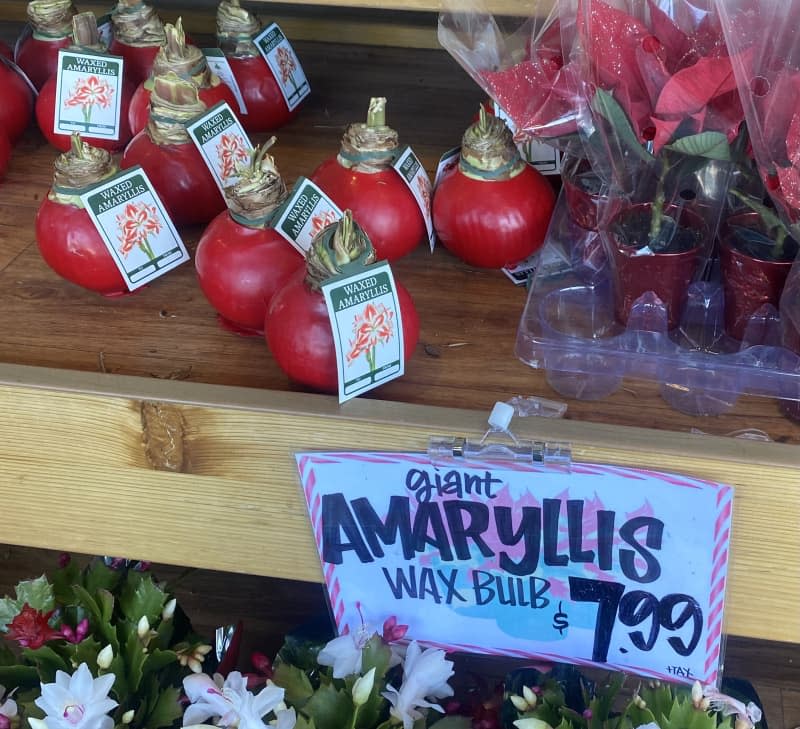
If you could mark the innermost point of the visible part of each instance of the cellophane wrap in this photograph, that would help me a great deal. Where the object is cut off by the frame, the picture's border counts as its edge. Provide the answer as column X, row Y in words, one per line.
column 764, row 44
column 522, row 63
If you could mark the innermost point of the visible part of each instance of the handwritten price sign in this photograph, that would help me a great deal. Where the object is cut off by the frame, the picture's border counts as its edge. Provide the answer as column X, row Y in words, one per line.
column 603, row 565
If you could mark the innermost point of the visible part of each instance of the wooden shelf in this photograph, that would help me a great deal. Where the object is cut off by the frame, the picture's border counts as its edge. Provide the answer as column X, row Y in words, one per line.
column 157, row 432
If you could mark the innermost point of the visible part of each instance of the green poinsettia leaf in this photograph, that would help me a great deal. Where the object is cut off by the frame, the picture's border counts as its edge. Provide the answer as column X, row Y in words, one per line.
column 9, row 608
column 98, row 576
column 37, row 593
column 167, row 709
column 141, row 596
column 295, row 683
column 47, row 662
column 18, row 676
column 606, row 106
column 331, row 708
column 710, row 145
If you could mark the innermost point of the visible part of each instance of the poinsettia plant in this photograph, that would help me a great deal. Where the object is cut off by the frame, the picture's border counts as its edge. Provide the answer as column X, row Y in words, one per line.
column 95, row 646
column 664, row 104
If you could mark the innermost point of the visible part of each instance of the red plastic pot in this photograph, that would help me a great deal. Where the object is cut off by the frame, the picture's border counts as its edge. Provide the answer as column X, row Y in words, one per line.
column 667, row 275
column 748, row 282
column 582, row 192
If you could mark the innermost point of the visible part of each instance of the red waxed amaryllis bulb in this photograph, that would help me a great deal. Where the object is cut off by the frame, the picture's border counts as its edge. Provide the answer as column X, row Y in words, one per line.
column 188, row 62
column 170, row 159
column 138, row 34
column 361, row 178
column 241, row 260
column 297, row 327
column 266, row 107
column 51, row 25
column 16, row 103
column 94, row 91
column 66, row 235
column 493, row 209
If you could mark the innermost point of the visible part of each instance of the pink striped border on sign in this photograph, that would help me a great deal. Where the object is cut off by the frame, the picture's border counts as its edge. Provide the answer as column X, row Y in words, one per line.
column 722, row 523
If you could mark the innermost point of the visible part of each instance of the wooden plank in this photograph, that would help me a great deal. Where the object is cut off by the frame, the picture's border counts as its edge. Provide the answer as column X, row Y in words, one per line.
column 143, row 467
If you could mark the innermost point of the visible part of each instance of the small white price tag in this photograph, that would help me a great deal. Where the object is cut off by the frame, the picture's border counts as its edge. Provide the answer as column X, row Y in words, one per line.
column 520, row 272
column 105, row 29
column 88, row 94
column 284, row 64
column 222, row 142
column 367, row 329
column 307, row 211
column 546, row 159
column 135, row 227
column 408, row 166
column 218, row 63
column 447, row 163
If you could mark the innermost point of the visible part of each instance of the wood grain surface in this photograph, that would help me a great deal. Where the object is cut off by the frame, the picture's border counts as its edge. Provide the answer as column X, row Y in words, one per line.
column 469, row 317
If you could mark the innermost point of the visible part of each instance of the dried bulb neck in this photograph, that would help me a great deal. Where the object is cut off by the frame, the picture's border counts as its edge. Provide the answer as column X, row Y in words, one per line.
column 338, row 249
column 173, row 104
column 369, row 146
column 488, row 149
column 137, row 24
column 78, row 169
column 51, row 18
column 236, row 27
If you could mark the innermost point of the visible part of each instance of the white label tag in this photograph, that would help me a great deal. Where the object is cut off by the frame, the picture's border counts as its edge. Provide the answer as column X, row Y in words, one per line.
column 520, row 272
column 88, row 94
column 447, row 163
column 367, row 329
column 408, row 166
column 105, row 29
column 546, row 159
column 135, row 227
column 284, row 64
column 222, row 142
column 218, row 63
column 307, row 211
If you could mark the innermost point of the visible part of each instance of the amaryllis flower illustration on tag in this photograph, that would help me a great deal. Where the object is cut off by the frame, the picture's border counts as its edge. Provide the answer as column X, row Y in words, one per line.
column 373, row 326
column 276, row 50
column 89, row 92
column 424, row 189
column 136, row 223
column 322, row 220
column 232, row 151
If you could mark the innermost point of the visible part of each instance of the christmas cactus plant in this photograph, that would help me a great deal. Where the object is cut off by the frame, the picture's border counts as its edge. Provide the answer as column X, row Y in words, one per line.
column 95, row 647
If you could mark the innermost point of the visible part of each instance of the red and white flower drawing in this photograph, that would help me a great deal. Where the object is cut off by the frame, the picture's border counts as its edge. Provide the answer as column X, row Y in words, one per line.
column 88, row 92
column 286, row 64
column 322, row 220
column 136, row 223
column 231, row 151
column 424, row 188
column 375, row 325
